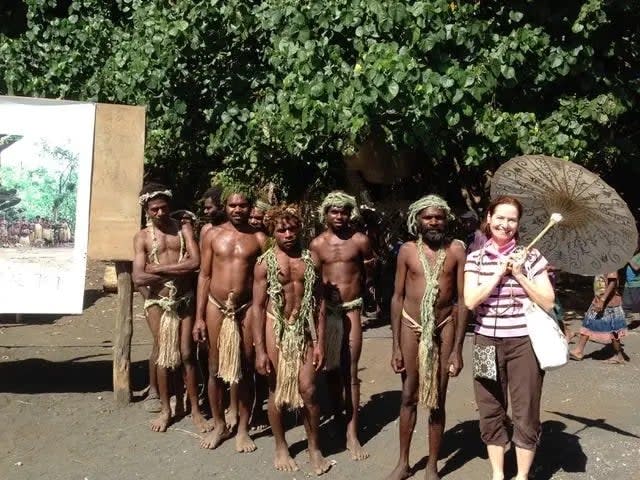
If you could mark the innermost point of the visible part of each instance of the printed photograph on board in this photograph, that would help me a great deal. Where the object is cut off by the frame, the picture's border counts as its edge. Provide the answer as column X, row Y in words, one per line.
column 46, row 151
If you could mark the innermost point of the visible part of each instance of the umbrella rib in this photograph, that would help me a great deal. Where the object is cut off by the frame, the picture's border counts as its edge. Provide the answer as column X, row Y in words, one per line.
column 541, row 176
column 552, row 181
column 570, row 194
column 578, row 195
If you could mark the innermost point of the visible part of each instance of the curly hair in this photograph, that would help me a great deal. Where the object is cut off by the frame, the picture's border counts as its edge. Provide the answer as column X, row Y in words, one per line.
column 214, row 193
column 289, row 212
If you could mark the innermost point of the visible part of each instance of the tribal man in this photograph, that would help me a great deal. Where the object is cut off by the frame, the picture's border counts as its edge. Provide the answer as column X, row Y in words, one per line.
column 229, row 253
column 427, row 340
column 346, row 259
column 213, row 210
column 166, row 254
column 256, row 218
column 289, row 333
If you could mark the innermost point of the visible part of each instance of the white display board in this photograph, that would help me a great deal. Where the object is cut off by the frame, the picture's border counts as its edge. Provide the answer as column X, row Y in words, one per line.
column 46, row 154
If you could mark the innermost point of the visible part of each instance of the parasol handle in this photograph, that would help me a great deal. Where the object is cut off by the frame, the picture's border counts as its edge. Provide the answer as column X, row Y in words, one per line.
column 554, row 220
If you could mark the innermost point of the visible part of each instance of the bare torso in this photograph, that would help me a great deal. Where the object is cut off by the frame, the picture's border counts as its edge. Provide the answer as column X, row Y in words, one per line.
column 415, row 280
column 169, row 247
column 342, row 261
column 291, row 277
column 234, row 254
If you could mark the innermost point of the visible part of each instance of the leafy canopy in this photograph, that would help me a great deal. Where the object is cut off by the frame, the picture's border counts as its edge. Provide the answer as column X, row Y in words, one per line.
column 283, row 89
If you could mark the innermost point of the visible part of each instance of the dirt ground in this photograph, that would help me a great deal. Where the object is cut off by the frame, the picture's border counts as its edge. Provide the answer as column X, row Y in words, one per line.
column 59, row 421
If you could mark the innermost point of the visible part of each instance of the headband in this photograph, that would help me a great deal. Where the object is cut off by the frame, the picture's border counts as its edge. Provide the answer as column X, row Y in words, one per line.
column 145, row 197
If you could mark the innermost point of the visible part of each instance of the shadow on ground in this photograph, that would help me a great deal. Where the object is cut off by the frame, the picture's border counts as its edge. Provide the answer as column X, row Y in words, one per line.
column 460, row 444
column 381, row 409
column 559, row 450
column 78, row 375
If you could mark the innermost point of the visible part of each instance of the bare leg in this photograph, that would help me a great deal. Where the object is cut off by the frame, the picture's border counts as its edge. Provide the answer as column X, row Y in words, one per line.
column 161, row 422
column 259, row 420
column 215, row 385
column 353, row 340
column 335, row 387
column 152, row 402
column 231, row 414
column 578, row 352
column 496, row 459
column 244, row 443
column 408, row 408
column 618, row 357
column 437, row 416
column 190, row 378
column 311, row 411
column 282, row 460
column 524, row 459
column 153, row 375
column 177, row 388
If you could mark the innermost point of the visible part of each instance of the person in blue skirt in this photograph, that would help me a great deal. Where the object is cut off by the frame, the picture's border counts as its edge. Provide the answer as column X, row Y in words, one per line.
column 605, row 320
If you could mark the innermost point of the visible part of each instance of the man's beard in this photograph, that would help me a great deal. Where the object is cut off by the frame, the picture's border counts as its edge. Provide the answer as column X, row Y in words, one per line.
column 433, row 237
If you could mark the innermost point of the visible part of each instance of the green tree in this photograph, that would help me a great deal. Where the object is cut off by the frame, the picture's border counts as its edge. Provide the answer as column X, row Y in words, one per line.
column 283, row 89
column 46, row 192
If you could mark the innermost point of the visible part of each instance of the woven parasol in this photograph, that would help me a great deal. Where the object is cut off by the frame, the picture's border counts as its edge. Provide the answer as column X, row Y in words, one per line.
column 597, row 233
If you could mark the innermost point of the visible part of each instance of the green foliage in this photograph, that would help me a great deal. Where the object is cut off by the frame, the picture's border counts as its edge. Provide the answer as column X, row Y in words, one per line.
column 46, row 192
column 281, row 89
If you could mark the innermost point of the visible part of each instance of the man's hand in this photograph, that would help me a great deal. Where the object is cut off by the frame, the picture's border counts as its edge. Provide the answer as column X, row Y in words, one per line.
column 455, row 363
column 397, row 362
column 318, row 357
column 263, row 366
column 199, row 331
column 151, row 268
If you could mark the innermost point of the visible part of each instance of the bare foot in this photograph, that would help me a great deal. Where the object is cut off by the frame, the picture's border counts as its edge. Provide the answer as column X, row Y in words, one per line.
column 161, row 422
column 284, row 463
column 231, row 418
column 319, row 463
column 201, row 423
column 215, row 437
column 244, row 444
column 575, row 355
column 357, row 452
column 399, row 473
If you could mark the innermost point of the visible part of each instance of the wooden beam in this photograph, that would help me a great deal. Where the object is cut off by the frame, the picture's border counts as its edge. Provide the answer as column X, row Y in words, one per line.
column 122, row 335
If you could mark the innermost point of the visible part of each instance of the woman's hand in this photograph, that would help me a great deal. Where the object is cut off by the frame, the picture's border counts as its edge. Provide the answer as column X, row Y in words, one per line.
column 503, row 268
column 517, row 267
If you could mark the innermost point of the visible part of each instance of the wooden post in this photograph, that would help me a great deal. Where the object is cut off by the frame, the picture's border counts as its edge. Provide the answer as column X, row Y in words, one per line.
column 122, row 335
